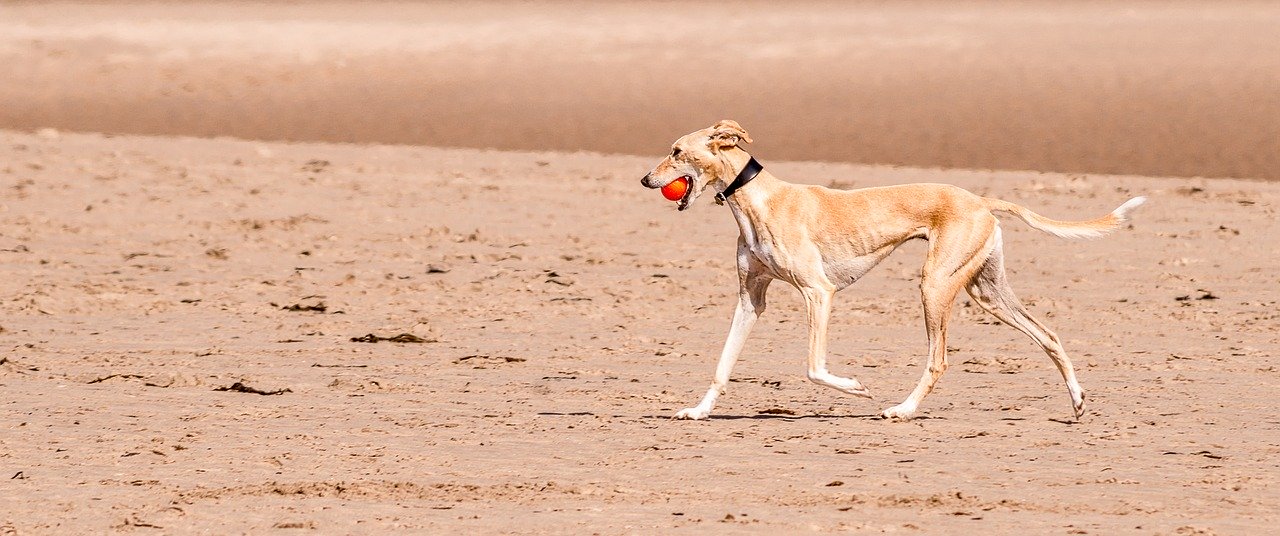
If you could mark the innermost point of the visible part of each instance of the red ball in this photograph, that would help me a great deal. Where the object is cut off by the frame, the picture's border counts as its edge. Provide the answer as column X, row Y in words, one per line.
column 675, row 189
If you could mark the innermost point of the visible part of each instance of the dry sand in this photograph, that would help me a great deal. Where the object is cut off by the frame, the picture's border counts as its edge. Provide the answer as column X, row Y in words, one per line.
column 568, row 314
column 565, row 313
column 1132, row 87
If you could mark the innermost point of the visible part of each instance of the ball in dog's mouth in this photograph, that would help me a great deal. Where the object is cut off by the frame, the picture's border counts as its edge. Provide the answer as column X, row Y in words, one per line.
column 686, row 192
column 675, row 190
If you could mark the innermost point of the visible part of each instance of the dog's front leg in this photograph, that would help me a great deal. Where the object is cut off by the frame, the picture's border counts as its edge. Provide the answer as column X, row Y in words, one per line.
column 818, row 302
column 751, row 303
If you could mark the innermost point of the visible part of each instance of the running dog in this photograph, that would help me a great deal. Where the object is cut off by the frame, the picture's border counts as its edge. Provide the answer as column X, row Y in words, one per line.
column 821, row 240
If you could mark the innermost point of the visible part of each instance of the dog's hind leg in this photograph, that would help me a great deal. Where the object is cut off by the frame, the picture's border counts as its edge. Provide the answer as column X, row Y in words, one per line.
column 818, row 301
column 753, row 284
column 991, row 290
column 955, row 255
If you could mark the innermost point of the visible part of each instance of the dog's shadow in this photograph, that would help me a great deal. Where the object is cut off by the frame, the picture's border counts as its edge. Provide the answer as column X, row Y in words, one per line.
column 777, row 416
column 753, row 416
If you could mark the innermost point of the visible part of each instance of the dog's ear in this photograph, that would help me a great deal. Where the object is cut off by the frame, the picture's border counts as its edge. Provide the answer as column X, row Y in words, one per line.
column 727, row 133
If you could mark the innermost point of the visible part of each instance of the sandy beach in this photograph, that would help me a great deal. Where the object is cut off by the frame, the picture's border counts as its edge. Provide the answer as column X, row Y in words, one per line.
column 206, row 334
column 145, row 274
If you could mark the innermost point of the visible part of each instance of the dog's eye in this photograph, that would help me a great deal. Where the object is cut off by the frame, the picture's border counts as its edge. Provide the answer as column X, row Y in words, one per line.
column 675, row 152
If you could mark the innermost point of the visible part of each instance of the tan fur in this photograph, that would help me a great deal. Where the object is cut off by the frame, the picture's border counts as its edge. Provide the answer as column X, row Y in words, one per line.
column 821, row 240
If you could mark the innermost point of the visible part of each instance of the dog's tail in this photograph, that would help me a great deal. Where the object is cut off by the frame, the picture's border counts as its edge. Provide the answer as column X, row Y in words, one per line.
column 1070, row 229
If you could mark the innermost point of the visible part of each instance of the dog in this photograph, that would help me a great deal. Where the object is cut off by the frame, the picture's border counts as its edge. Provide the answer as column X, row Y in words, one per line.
column 821, row 240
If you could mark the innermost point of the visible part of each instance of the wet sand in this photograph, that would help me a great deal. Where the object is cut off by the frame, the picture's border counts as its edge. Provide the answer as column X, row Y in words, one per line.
column 1147, row 88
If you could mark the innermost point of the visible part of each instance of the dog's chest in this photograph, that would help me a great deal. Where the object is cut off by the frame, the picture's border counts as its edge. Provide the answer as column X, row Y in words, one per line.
column 759, row 246
column 764, row 253
column 839, row 262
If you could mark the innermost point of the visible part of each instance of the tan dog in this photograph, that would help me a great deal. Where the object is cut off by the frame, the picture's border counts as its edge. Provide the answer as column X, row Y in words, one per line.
column 821, row 240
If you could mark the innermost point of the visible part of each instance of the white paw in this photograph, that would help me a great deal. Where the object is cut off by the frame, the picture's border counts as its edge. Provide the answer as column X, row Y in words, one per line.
column 693, row 414
column 1078, row 404
column 856, row 390
column 847, row 386
column 900, row 412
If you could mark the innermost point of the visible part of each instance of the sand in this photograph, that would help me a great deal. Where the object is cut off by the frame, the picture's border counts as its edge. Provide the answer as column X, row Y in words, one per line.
column 567, row 314
column 189, row 320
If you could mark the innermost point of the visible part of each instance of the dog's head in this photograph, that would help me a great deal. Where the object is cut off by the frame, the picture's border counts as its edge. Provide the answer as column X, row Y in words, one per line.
column 698, row 157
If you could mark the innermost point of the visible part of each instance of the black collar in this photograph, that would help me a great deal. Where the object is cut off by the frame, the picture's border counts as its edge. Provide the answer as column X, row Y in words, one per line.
column 748, row 173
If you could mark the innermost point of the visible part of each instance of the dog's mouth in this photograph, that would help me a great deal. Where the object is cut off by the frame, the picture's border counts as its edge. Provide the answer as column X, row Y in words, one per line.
column 687, row 198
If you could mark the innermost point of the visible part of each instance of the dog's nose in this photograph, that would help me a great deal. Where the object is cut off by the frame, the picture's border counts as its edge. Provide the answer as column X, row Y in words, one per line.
column 644, row 181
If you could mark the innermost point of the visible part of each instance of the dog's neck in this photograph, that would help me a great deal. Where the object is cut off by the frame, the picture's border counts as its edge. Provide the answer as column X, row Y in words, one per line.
column 749, row 200
column 732, row 161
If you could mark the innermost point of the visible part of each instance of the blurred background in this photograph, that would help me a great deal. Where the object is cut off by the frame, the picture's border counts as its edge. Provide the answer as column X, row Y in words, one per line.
column 1125, row 87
